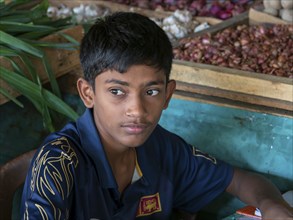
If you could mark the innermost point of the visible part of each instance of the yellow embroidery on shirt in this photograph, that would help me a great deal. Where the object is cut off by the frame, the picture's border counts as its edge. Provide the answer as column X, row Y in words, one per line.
column 58, row 170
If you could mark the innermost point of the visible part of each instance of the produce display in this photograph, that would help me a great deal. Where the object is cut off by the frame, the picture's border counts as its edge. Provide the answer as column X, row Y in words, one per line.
column 279, row 8
column 178, row 24
column 222, row 9
column 265, row 48
column 84, row 13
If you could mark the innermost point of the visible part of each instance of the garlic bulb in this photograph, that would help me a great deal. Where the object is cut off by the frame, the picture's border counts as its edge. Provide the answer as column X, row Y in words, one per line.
column 276, row 4
column 287, row 14
column 287, row 4
column 271, row 11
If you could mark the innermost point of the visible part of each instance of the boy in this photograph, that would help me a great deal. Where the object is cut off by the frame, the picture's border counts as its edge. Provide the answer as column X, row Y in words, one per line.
column 116, row 162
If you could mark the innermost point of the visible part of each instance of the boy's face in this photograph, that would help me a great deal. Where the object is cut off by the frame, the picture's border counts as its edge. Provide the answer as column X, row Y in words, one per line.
column 127, row 106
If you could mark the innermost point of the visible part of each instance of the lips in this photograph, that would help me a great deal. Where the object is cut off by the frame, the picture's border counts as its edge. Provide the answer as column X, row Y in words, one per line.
column 134, row 128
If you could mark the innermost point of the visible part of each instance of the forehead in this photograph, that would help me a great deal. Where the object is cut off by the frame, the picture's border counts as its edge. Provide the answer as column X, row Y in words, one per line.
column 137, row 74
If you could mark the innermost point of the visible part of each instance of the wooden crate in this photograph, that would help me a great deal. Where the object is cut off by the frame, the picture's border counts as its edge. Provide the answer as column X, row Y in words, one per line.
column 232, row 87
column 62, row 61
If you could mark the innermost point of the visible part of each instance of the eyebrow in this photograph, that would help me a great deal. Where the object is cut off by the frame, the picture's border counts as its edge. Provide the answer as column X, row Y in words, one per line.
column 116, row 81
column 120, row 82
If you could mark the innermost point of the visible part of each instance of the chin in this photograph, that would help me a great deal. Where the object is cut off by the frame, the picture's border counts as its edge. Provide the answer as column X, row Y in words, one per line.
column 135, row 142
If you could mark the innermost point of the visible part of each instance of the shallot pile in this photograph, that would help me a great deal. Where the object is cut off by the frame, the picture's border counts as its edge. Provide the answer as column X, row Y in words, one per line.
column 222, row 9
column 262, row 48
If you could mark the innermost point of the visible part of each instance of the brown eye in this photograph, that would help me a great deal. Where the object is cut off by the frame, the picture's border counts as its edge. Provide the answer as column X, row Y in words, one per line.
column 117, row 92
column 152, row 92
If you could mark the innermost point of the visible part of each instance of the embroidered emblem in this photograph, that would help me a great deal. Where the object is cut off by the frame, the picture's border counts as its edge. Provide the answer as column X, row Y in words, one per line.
column 149, row 205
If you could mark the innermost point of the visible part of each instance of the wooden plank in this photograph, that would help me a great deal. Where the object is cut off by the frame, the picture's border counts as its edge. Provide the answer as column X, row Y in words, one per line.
column 61, row 60
column 262, row 85
column 238, row 19
column 231, row 103
column 234, row 96
column 256, row 17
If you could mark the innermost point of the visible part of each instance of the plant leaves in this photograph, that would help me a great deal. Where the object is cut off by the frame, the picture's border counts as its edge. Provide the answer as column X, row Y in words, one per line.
column 17, row 27
column 12, row 98
column 51, row 76
column 30, row 89
column 19, row 44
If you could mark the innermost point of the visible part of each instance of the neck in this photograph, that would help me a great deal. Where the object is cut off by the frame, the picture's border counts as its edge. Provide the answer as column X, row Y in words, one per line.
column 120, row 158
column 123, row 165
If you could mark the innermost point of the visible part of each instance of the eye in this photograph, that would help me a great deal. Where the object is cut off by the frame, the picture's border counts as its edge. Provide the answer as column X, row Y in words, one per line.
column 117, row 92
column 152, row 92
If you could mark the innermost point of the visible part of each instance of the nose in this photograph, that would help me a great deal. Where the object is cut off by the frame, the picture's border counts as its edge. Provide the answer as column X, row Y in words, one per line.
column 136, row 107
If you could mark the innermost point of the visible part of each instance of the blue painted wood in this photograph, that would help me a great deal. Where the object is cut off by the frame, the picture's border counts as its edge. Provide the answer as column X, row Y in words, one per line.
column 251, row 140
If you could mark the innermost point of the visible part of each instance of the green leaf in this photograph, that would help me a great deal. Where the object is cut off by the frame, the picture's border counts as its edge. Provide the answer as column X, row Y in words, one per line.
column 19, row 17
column 13, row 4
column 62, row 22
column 47, row 122
column 6, row 52
column 16, row 67
column 35, row 35
column 40, row 10
column 67, row 46
column 16, row 27
column 19, row 44
column 6, row 94
column 27, row 63
column 51, row 76
column 30, row 89
column 69, row 38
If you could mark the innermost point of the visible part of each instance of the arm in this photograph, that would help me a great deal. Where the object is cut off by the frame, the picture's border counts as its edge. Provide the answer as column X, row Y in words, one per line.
column 47, row 190
column 256, row 190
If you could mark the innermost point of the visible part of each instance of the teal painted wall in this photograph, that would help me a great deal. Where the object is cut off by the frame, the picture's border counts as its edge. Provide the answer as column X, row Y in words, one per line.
column 251, row 140
column 254, row 141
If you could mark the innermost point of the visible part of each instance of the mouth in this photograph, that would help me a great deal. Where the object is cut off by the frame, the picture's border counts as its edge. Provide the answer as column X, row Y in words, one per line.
column 134, row 128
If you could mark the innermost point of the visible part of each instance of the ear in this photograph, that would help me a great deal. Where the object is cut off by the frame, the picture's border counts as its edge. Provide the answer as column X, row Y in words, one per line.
column 86, row 92
column 171, row 86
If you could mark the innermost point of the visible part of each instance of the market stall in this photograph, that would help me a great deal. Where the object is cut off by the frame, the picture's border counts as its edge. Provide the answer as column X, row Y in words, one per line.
column 239, row 113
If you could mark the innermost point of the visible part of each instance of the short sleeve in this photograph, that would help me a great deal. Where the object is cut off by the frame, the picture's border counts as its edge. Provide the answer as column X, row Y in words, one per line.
column 49, row 182
column 199, row 178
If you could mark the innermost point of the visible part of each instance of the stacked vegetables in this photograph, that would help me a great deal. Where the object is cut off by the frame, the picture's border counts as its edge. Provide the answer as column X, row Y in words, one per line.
column 178, row 24
column 261, row 48
column 222, row 9
column 279, row 8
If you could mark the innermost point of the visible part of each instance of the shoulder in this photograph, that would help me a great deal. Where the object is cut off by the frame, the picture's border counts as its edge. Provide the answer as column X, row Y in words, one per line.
column 171, row 143
column 49, row 184
column 59, row 149
column 168, row 144
column 54, row 161
column 163, row 135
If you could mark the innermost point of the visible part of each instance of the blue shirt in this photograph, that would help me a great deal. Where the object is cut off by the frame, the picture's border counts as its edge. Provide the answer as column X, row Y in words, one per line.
column 71, row 178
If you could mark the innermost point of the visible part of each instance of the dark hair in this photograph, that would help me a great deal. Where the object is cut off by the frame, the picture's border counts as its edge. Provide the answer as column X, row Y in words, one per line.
column 121, row 40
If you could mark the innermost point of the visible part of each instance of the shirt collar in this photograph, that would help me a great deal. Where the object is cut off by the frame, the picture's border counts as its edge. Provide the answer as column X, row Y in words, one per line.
column 91, row 143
